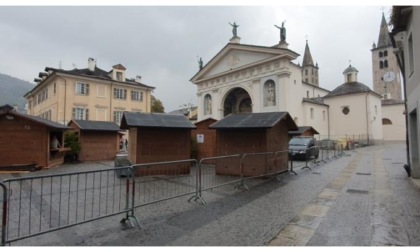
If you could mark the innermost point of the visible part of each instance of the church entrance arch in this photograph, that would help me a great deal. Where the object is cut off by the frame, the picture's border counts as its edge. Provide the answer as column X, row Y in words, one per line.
column 237, row 101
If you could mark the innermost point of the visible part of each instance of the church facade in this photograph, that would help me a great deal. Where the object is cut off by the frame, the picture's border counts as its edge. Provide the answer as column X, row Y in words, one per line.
column 253, row 79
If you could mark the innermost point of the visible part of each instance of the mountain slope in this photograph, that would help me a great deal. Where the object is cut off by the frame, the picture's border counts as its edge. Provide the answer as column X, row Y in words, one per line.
column 12, row 90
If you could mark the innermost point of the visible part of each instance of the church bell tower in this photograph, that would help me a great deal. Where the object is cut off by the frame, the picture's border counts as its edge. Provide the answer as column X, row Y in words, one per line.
column 385, row 71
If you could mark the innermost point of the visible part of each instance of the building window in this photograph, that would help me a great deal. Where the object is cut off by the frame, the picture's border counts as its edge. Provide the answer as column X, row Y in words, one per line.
column 136, row 96
column 410, row 54
column 82, row 88
column 346, row 110
column 101, row 91
column 119, row 76
column 386, row 121
column 348, row 77
column 120, row 93
column 380, row 54
column 381, row 64
column 385, row 63
column 312, row 113
column 306, row 71
column 118, row 116
column 80, row 113
column 385, row 53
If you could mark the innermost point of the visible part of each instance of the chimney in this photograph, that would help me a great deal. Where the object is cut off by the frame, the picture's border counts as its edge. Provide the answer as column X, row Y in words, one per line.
column 91, row 64
column 138, row 78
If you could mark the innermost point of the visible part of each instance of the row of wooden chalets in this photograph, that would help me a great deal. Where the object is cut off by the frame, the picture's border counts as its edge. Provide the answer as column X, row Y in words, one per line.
column 31, row 143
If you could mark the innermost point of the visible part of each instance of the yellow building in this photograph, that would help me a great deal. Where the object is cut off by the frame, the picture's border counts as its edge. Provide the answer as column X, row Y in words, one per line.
column 87, row 94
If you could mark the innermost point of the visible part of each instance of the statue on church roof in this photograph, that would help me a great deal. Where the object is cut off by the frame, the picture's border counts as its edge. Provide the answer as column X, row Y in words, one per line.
column 200, row 63
column 234, row 26
column 282, row 32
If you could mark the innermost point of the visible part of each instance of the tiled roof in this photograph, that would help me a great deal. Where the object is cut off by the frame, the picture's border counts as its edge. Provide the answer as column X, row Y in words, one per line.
column 96, row 125
column 391, row 102
column 137, row 119
column 254, row 120
column 317, row 100
column 97, row 74
column 307, row 57
column 303, row 129
column 350, row 69
column 349, row 88
column 38, row 119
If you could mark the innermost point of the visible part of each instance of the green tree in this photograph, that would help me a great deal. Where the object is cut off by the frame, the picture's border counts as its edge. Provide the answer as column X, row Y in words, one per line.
column 71, row 141
column 157, row 106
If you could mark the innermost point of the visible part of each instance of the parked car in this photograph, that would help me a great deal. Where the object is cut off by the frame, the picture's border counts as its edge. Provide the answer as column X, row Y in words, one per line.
column 303, row 147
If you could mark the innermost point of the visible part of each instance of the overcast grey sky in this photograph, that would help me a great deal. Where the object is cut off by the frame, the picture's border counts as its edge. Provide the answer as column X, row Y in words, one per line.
column 162, row 43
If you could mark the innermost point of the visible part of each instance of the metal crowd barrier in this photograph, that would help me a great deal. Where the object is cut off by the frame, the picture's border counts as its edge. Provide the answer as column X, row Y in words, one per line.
column 159, row 181
column 41, row 204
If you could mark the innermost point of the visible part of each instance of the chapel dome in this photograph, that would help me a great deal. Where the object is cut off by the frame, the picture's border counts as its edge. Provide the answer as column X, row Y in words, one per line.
column 350, row 69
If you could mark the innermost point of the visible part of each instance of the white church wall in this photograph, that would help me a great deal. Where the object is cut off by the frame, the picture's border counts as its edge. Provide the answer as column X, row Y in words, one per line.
column 316, row 116
column 375, row 117
column 396, row 130
column 310, row 91
column 292, row 102
column 352, row 124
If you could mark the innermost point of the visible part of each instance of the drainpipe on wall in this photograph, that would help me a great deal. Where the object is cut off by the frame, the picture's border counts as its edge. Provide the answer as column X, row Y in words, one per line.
column 111, row 96
column 328, row 114
column 367, row 119
column 65, row 98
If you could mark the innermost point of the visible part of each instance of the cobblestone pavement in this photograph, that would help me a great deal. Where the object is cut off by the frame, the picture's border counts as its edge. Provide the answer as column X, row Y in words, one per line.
column 361, row 199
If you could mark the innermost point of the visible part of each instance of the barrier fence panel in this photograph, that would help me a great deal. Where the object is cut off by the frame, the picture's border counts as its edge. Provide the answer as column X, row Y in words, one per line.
column 264, row 164
column 42, row 204
column 3, row 212
column 219, row 171
column 160, row 181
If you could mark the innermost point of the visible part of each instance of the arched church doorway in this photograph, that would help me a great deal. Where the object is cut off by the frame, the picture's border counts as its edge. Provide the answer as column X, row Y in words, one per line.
column 237, row 101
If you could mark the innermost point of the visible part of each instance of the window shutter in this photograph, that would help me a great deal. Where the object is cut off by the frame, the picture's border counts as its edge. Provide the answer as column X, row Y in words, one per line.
column 87, row 114
column 74, row 113
column 87, row 89
column 115, row 93
column 125, row 94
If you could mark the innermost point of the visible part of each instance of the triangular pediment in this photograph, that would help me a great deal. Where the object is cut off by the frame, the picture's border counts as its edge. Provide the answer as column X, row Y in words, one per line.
column 236, row 56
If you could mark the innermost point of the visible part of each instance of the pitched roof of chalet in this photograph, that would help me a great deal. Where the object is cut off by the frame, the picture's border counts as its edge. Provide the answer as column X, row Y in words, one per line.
column 315, row 100
column 137, row 119
column 206, row 120
column 233, row 46
column 96, row 125
column 350, row 88
column 254, row 120
column 37, row 119
column 303, row 129
column 391, row 102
